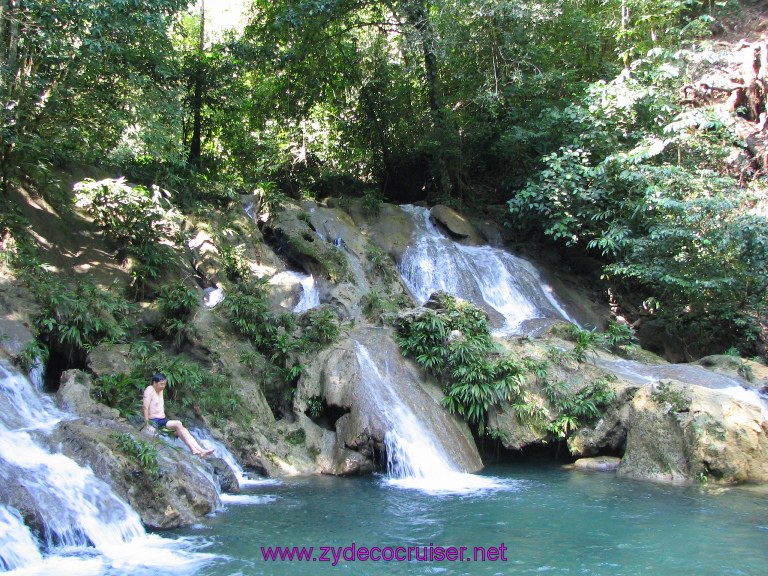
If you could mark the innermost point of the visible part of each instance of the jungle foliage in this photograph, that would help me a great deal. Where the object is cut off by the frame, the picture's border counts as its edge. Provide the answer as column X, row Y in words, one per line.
column 451, row 341
column 568, row 110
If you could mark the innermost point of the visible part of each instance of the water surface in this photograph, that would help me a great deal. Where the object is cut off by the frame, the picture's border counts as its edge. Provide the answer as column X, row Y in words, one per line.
column 549, row 520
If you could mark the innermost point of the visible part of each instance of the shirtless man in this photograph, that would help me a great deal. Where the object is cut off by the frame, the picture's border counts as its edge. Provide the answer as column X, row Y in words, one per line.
column 154, row 411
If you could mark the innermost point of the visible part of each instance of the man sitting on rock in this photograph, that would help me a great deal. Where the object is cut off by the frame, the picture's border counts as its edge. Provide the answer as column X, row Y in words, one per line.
column 153, row 407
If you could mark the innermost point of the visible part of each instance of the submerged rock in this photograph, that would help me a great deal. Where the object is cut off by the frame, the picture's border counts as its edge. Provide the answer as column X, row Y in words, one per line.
column 598, row 464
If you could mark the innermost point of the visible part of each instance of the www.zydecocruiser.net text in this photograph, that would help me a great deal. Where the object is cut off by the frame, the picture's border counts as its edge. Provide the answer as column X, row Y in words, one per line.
column 356, row 553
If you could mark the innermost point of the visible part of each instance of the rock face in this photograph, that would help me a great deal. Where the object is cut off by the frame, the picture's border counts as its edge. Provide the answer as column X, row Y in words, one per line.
column 344, row 378
column 679, row 433
column 609, row 434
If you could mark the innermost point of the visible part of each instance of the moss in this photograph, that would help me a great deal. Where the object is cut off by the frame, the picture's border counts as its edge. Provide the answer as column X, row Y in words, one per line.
column 296, row 437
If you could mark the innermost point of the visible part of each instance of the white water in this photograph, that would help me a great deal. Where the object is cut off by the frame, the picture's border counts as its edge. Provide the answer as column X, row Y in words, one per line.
column 310, row 296
column 19, row 547
column 244, row 480
column 415, row 458
column 246, row 499
column 86, row 527
column 486, row 276
column 213, row 296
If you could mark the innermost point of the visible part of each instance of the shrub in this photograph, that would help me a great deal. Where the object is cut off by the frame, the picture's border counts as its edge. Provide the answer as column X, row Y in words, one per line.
column 140, row 452
column 454, row 344
column 79, row 315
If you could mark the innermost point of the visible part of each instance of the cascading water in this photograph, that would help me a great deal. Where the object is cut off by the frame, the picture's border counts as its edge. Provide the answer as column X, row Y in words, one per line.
column 415, row 456
column 310, row 297
column 244, row 480
column 80, row 514
column 16, row 542
column 486, row 276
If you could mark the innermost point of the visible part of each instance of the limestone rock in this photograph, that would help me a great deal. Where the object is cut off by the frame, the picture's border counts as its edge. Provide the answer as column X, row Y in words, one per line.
column 17, row 310
column 609, row 434
column 655, row 445
column 180, row 495
column 74, row 395
column 338, row 376
column 293, row 234
column 332, row 456
column 109, row 359
column 695, row 433
column 598, row 464
column 391, row 228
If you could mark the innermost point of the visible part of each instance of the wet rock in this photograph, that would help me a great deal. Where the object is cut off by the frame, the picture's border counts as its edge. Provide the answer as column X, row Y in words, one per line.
column 337, row 376
column 178, row 493
column 458, row 226
column 224, row 475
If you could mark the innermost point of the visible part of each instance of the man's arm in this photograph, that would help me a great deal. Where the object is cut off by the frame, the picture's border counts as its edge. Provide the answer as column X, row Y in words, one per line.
column 145, row 407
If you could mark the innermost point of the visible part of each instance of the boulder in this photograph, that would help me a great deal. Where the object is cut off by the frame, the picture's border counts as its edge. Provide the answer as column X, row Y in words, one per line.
column 178, row 494
column 609, row 434
column 457, row 226
column 74, row 396
column 597, row 464
column 679, row 432
column 109, row 359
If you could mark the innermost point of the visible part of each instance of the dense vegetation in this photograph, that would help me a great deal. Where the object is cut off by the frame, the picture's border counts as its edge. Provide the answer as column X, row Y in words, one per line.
column 567, row 110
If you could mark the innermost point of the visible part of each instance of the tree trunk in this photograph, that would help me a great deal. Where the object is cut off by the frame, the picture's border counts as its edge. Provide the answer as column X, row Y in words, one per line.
column 417, row 15
column 196, row 143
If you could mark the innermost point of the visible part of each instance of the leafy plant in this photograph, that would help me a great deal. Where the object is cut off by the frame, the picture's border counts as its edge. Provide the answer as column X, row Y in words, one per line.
column 668, row 393
column 235, row 266
column 78, row 316
column 315, row 406
column 140, row 452
column 372, row 200
column 120, row 391
column 618, row 334
column 33, row 354
column 177, row 301
column 136, row 218
column 321, row 326
column 381, row 264
column 454, row 344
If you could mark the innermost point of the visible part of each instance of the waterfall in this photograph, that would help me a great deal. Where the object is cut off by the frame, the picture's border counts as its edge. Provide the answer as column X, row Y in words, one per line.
column 310, row 297
column 80, row 514
column 488, row 277
column 416, row 458
column 17, row 546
